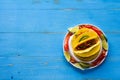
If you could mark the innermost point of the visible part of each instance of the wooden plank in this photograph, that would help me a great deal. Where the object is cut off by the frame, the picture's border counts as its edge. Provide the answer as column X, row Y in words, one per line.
column 56, row 21
column 36, row 44
column 20, row 68
column 57, row 4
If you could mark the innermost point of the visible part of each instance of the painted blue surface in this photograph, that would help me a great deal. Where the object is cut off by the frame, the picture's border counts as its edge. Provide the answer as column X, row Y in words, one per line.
column 32, row 32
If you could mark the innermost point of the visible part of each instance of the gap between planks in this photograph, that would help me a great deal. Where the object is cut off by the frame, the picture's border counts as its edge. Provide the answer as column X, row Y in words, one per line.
column 47, row 32
column 66, row 9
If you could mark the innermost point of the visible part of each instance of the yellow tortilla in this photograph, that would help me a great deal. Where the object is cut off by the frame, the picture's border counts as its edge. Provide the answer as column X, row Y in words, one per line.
column 82, row 36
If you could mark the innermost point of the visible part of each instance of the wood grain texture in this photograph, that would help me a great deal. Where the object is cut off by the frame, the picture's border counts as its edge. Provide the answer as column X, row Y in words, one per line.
column 32, row 33
column 56, row 20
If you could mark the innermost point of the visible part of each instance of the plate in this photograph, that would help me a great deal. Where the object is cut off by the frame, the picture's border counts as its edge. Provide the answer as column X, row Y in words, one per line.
column 69, row 51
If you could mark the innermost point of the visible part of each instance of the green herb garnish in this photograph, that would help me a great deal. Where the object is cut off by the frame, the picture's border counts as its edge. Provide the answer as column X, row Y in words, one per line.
column 84, row 37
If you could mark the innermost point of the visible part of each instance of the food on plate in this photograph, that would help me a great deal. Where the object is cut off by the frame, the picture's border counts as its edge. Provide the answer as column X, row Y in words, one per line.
column 85, row 46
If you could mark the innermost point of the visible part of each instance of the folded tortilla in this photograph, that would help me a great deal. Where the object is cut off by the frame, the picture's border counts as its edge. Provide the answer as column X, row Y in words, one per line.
column 86, row 44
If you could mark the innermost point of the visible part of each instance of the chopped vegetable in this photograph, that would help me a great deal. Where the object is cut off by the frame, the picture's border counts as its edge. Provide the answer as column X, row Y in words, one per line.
column 84, row 65
column 66, row 47
column 100, row 58
column 72, row 60
column 84, row 37
column 67, row 55
column 73, row 29
column 104, row 42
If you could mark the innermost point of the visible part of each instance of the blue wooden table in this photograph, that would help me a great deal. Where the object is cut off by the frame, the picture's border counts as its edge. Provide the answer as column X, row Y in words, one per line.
column 32, row 32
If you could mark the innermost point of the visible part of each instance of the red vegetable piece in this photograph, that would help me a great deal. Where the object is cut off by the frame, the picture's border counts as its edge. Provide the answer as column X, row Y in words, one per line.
column 100, row 58
column 66, row 47
column 72, row 60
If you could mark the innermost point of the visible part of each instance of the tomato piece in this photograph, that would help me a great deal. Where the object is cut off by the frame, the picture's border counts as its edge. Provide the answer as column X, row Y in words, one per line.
column 72, row 60
column 100, row 58
column 66, row 47
column 97, row 30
